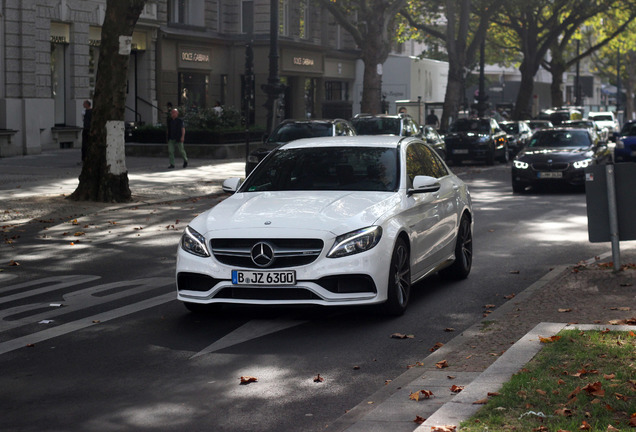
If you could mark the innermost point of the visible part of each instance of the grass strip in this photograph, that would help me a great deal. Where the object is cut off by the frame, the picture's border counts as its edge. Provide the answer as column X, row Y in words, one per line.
column 580, row 380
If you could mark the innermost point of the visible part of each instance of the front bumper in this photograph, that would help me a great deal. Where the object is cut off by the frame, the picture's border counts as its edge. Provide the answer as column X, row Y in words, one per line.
column 350, row 280
column 534, row 176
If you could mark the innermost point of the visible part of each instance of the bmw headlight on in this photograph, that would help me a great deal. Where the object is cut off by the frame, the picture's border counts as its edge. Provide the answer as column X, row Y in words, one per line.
column 355, row 242
column 582, row 163
column 521, row 165
column 194, row 243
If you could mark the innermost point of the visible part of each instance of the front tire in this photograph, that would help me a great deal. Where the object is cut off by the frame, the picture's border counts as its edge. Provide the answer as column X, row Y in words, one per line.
column 460, row 269
column 399, row 284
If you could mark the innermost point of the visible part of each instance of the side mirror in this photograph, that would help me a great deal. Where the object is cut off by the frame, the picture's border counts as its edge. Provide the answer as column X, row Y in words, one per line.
column 231, row 185
column 424, row 184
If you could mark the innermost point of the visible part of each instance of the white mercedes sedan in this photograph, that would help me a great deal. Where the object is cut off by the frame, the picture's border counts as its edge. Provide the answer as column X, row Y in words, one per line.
column 330, row 221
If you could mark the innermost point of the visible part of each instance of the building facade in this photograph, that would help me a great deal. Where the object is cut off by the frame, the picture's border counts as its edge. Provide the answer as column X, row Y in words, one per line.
column 48, row 62
column 189, row 53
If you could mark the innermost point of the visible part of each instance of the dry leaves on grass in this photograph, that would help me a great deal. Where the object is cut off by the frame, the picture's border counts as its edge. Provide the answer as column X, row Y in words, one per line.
column 444, row 428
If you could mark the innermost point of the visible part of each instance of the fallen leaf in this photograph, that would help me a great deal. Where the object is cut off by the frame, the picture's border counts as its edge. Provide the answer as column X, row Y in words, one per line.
column 609, row 377
column 565, row 412
column 401, row 336
column 514, row 272
column 492, row 394
column 489, row 306
column 449, row 329
column 14, row 263
column 481, row 401
column 509, row 296
column 595, row 389
column 611, row 428
column 564, row 310
column 549, row 339
column 437, row 346
column 419, row 420
column 444, row 428
column 441, row 364
column 456, row 388
column 318, row 379
column 79, row 233
column 585, row 426
column 622, row 308
column 247, row 380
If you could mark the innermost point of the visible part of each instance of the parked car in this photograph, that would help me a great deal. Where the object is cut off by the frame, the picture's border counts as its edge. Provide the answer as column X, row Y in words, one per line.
column 386, row 124
column 330, row 221
column 476, row 139
column 605, row 119
column 561, row 114
column 598, row 134
column 400, row 125
column 557, row 155
column 289, row 130
column 537, row 124
column 625, row 150
column 519, row 134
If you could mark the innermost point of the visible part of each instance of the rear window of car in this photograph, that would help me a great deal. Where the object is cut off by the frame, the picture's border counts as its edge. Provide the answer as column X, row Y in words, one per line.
column 601, row 117
column 560, row 138
column 377, row 126
column 327, row 168
column 629, row 129
column 294, row 131
column 471, row 125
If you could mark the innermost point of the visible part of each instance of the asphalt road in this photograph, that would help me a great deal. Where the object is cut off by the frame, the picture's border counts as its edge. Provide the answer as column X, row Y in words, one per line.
column 94, row 339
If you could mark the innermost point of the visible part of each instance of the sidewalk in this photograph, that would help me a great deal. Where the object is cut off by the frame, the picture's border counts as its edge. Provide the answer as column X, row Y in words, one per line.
column 481, row 358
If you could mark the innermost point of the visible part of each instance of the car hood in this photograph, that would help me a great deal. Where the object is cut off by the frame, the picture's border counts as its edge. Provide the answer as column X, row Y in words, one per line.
column 554, row 153
column 334, row 211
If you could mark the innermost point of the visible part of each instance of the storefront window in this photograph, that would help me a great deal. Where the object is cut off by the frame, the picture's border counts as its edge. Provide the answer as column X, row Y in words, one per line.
column 336, row 90
column 58, row 81
column 193, row 90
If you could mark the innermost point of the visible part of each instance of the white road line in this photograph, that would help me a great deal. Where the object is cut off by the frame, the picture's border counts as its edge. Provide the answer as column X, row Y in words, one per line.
column 248, row 331
column 70, row 327
column 57, row 282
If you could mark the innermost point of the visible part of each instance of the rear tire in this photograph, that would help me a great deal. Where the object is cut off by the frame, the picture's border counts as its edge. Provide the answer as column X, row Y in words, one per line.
column 399, row 284
column 460, row 269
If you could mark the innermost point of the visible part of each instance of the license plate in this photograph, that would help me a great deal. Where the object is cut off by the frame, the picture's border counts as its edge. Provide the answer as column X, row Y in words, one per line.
column 269, row 278
column 550, row 175
column 460, row 151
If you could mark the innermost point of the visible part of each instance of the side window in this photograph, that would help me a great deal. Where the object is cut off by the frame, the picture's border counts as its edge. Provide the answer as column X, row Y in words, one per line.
column 421, row 160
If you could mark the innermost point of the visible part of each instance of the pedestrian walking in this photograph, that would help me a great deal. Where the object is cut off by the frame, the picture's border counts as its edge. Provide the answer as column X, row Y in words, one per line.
column 432, row 120
column 175, row 134
column 86, row 128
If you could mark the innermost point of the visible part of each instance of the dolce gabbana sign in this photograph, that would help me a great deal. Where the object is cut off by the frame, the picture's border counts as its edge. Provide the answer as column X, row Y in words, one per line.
column 194, row 58
column 305, row 61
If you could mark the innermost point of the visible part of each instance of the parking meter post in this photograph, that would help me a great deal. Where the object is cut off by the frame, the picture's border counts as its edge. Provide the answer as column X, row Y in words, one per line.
column 613, row 217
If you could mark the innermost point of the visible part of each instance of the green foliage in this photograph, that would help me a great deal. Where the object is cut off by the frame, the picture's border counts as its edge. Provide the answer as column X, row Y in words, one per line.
column 581, row 377
column 208, row 119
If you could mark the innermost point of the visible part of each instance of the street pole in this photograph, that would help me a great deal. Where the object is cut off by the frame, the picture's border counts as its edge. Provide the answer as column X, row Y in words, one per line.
column 577, row 88
column 481, row 102
column 248, row 93
column 274, row 88
column 613, row 217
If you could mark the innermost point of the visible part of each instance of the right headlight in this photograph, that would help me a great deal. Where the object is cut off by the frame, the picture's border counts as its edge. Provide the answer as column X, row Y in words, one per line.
column 355, row 242
column 521, row 165
column 194, row 243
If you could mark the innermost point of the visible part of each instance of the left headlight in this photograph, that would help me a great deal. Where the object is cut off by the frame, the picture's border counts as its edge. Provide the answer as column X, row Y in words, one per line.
column 194, row 243
column 521, row 165
column 582, row 163
column 355, row 242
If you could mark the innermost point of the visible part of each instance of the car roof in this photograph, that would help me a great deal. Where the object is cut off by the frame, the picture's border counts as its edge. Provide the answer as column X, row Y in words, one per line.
column 389, row 141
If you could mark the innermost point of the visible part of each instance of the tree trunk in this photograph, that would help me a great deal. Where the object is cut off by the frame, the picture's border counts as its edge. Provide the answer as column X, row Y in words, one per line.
column 104, row 176
column 454, row 96
column 523, row 105
column 557, row 69
column 630, row 86
column 371, row 102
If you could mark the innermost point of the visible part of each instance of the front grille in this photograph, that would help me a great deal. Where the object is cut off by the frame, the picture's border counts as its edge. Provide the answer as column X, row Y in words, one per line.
column 266, row 294
column 544, row 166
column 287, row 252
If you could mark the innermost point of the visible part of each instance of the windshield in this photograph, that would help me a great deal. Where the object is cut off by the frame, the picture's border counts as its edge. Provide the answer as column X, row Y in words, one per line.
column 294, row 131
column 560, row 138
column 377, row 126
column 326, row 168
column 511, row 128
column 471, row 125
column 601, row 117
column 629, row 129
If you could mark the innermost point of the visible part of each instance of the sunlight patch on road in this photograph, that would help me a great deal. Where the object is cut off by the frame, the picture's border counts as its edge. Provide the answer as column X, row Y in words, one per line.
column 565, row 230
